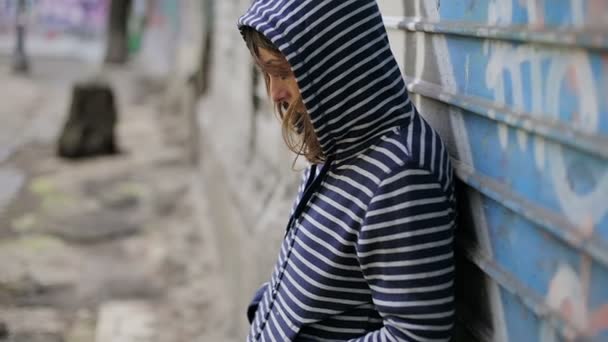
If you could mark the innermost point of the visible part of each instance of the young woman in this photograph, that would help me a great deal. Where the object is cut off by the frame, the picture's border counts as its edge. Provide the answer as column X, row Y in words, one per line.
column 368, row 252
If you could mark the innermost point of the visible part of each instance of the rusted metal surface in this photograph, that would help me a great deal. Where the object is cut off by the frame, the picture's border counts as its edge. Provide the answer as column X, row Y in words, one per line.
column 518, row 91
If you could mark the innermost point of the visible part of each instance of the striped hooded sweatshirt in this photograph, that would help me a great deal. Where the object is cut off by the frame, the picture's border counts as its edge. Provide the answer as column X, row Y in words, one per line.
column 368, row 252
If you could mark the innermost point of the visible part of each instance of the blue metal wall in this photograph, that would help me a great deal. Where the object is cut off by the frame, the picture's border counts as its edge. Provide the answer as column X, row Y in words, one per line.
column 519, row 90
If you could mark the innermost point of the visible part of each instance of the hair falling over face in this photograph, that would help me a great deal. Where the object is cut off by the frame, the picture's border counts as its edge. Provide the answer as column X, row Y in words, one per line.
column 298, row 131
column 296, row 127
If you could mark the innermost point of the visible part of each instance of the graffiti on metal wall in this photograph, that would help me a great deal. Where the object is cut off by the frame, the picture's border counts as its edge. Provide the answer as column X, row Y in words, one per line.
column 555, row 86
column 563, row 87
column 554, row 79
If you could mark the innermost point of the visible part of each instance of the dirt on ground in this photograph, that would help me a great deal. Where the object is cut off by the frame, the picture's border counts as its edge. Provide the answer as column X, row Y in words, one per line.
column 107, row 248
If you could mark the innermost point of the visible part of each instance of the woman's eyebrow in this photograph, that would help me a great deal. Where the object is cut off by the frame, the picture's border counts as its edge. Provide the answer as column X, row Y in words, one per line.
column 272, row 61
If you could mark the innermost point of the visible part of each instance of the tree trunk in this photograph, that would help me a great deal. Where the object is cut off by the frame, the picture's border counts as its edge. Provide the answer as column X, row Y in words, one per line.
column 202, row 77
column 20, row 60
column 118, row 49
column 89, row 130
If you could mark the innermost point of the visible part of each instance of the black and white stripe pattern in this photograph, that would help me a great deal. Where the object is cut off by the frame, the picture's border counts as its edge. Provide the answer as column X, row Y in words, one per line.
column 368, row 255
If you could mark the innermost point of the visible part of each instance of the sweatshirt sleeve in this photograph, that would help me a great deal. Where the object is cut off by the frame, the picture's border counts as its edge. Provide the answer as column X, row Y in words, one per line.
column 255, row 302
column 405, row 249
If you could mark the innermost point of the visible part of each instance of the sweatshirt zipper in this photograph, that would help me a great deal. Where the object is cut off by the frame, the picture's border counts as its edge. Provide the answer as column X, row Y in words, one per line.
column 311, row 184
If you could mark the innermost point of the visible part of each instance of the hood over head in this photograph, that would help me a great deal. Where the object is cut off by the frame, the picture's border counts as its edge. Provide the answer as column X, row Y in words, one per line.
column 339, row 52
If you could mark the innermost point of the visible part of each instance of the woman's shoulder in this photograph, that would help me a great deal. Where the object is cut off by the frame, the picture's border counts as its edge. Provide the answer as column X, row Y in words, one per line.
column 404, row 149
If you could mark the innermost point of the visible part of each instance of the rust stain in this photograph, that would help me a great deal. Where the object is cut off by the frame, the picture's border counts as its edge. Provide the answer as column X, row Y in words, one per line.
column 540, row 7
column 586, row 266
column 599, row 320
column 567, row 309
column 587, row 227
column 572, row 77
column 605, row 76
column 538, row 21
column 522, row 3
column 596, row 12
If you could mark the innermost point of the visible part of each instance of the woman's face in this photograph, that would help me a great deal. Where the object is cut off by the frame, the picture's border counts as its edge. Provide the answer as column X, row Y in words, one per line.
column 282, row 84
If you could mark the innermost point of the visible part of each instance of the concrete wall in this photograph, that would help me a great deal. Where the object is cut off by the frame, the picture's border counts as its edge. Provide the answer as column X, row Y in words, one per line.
column 522, row 111
column 244, row 167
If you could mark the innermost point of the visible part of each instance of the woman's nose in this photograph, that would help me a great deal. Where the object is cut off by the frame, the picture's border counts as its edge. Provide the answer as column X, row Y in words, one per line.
column 278, row 91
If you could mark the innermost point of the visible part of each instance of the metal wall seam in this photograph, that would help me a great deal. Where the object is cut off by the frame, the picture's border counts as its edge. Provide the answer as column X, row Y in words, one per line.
column 590, row 38
column 546, row 127
column 552, row 222
column 528, row 297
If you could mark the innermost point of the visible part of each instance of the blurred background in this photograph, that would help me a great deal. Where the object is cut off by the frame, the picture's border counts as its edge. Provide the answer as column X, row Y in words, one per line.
column 144, row 184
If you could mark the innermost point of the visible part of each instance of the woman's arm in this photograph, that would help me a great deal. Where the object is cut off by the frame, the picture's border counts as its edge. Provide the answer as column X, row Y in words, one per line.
column 405, row 249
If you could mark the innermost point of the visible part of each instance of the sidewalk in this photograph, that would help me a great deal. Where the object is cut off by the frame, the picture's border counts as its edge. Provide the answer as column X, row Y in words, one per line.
column 106, row 249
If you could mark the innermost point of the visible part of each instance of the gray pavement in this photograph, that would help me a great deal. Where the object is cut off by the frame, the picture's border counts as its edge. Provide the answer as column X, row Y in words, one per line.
column 106, row 249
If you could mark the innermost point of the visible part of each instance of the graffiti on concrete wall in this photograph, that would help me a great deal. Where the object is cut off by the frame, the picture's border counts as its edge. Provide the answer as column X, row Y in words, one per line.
column 160, row 37
column 560, row 90
column 57, row 17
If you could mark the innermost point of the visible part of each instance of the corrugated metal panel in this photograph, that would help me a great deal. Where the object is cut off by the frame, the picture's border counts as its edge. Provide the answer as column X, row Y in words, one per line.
column 519, row 90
